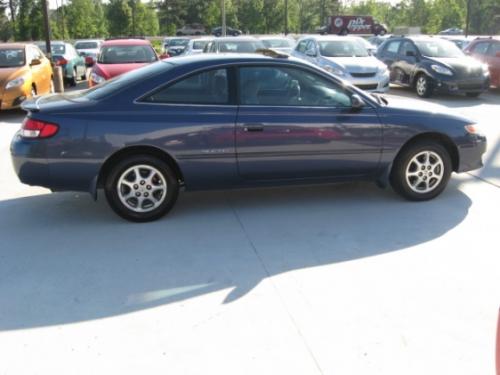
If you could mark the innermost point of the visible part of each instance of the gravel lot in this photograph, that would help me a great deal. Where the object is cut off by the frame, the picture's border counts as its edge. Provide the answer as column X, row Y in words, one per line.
column 345, row 279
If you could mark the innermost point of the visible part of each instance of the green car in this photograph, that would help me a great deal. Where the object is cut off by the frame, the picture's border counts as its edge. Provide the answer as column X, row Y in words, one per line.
column 66, row 56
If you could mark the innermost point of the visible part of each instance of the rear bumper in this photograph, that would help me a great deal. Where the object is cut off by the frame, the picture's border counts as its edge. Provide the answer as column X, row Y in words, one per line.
column 29, row 162
column 470, row 154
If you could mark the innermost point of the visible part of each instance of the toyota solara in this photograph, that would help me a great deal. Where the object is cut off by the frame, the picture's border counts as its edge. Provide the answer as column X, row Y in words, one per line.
column 230, row 121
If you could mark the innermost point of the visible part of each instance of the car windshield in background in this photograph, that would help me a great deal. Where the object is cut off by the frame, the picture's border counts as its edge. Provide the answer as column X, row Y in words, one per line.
column 56, row 49
column 11, row 57
column 116, row 84
column 86, row 45
column 342, row 48
column 200, row 44
column 241, row 46
column 438, row 48
column 127, row 55
column 178, row 42
column 277, row 43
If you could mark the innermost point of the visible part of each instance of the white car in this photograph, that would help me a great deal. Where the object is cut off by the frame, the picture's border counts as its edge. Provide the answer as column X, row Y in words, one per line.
column 278, row 43
column 347, row 58
column 89, row 48
column 196, row 46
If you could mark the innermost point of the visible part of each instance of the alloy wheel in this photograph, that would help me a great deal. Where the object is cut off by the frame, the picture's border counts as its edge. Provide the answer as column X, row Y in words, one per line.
column 424, row 172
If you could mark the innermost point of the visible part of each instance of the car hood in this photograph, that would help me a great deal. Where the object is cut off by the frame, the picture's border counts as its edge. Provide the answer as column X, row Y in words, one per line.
column 112, row 70
column 8, row 74
column 460, row 64
column 367, row 64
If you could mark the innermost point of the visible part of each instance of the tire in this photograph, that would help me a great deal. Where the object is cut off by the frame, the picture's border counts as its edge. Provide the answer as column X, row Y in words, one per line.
column 122, row 180
column 52, row 87
column 424, row 86
column 33, row 91
column 344, row 32
column 178, row 33
column 408, row 176
column 382, row 32
column 473, row 94
column 84, row 77
column 73, row 80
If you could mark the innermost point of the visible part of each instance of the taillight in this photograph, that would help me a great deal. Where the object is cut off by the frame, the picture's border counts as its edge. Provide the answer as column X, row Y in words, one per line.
column 61, row 62
column 38, row 129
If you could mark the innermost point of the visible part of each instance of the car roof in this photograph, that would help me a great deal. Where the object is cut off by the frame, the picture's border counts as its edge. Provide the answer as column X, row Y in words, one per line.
column 327, row 38
column 13, row 45
column 88, row 40
column 236, row 39
column 126, row 42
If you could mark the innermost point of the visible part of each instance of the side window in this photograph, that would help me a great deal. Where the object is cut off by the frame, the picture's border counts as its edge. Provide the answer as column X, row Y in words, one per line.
column 311, row 45
column 210, row 87
column 280, row 86
column 302, row 46
column 494, row 49
column 29, row 54
column 37, row 54
column 408, row 46
column 213, row 47
column 393, row 47
column 481, row 48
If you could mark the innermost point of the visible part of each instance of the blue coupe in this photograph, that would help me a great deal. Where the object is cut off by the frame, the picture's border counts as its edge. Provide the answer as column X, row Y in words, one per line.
column 232, row 121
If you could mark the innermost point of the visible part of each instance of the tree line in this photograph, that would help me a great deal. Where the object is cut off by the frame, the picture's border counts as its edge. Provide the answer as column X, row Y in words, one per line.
column 75, row 19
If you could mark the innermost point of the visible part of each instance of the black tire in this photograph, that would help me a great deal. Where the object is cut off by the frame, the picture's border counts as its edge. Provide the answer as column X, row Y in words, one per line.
column 404, row 162
column 178, row 33
column 473, row 94
column 427, row 88
column 73, row 80
column 84, row 76
column 167, row 201
column 382, row 32
column 344, row 31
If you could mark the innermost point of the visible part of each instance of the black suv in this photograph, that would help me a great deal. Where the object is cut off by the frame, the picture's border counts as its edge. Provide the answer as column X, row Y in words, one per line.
column 432, row 65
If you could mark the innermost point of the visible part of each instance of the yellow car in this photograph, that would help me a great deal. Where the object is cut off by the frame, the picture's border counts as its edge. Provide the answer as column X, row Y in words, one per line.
column 24, row 73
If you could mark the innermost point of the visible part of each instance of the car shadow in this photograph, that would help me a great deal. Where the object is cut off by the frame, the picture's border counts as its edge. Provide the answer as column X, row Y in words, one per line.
column 66, row 259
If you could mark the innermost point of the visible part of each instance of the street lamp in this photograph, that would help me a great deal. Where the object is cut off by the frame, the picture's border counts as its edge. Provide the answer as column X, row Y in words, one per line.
column 223, row 18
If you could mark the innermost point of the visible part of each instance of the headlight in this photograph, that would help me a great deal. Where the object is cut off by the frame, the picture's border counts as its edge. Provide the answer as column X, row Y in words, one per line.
column 473, row 129
column 333, row 70
column 382, row 70
column 15, row 83
column 96, row 78
column 442, row 70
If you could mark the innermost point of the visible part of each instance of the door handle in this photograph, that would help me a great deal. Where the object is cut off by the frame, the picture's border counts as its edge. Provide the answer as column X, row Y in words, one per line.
column 253, row 128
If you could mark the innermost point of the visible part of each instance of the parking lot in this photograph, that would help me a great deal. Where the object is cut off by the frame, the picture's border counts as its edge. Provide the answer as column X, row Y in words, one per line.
column 343, row 279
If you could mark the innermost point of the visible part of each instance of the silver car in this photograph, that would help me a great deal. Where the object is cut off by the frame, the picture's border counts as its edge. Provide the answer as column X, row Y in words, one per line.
column 196, row 46
column 345, row 57
column 278, row 43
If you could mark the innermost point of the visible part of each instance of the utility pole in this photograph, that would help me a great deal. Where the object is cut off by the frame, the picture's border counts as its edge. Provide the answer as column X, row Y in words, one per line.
column 46, row 28
column 223, row 17
column 467, row 19
column 286, row 17
column 133, row 18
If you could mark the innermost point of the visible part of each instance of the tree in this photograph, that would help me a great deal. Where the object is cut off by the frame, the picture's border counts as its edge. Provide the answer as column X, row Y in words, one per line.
column 119, row 16
column 80, row 19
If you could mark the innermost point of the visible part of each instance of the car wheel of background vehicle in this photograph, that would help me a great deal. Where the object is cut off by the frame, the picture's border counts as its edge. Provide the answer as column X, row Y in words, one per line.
column 473, row 94
column 344, row 31
column 141, row 188
column 423, row 86
column 73, row 80
column 421, row 171
column 84, row 76
column 382, row 32
column 33, row 91
column 52, row 87
column 178, row 33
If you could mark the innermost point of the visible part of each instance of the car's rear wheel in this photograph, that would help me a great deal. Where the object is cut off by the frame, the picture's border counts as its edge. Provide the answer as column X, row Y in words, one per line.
column 421, row 171
column 73, row 80
column 84, row 76
column 424, row 86
column 141, row 188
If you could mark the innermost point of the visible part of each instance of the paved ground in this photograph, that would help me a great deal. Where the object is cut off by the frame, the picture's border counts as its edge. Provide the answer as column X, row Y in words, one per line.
column 347, row 279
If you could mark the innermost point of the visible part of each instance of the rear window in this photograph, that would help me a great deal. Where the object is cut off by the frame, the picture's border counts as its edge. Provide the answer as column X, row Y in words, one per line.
column 240, row 46
column 118, row 83
column 200, row 44
column 56, row 49
column 86, row 45
column 127, row 54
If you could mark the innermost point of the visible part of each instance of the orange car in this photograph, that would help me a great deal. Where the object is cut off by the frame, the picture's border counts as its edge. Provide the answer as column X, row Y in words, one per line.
column 24, row 73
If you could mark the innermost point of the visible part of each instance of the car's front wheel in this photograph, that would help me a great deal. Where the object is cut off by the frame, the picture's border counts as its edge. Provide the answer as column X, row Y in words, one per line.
column 424, row 86
column 421, row 171
column 141, row 188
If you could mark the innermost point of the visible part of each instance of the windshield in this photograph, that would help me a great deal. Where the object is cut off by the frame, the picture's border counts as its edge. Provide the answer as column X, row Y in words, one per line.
column 241, row 46
column 200, row 44
column 178, row 42
column 11, row 57
column 127, row 54
column 438, row 48
column 342, row 48
column 56, row 49
column 118, row 83
column 86, row 45
column 278, row 43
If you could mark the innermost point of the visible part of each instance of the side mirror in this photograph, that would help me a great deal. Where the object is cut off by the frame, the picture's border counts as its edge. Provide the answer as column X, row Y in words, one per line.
column 411, row 54
column 35, row 62
column 357, row 102
column 311, row 52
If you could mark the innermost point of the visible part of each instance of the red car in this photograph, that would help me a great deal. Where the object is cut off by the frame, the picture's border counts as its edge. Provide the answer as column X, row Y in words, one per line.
column 487, row 50
column 118, row 56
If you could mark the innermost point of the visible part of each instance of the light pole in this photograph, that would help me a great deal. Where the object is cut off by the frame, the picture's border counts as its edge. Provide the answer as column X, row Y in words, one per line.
column 467, row 19
column 286, row 17
column 46, row 28
column 223, row 18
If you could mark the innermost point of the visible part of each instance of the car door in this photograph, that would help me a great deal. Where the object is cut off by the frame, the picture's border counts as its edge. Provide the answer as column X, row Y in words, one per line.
column 294, row 123
column 390, row 54
column 494, row 62
column 42, row 72
column 406, row 62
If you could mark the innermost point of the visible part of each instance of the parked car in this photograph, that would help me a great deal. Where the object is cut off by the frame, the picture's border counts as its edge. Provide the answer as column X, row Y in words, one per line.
column 71, row 62
column 217, row 31
column 431, row 65
column 487, row 50
column 191, row 29
column 24, row 73
column 460, row 41
column 175, row 46
column 346, row 57
column 180, row 123
column 118, row 56
column 452, row 31
column 89, row 49
column 247, row 44
column 196, row 46
column 377, row 40
column 278, row 43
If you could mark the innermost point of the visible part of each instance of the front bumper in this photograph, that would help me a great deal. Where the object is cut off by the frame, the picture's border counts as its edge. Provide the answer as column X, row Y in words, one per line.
column 472, row 85
column 470, row 153
column 377, row 83
column 13, row 97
